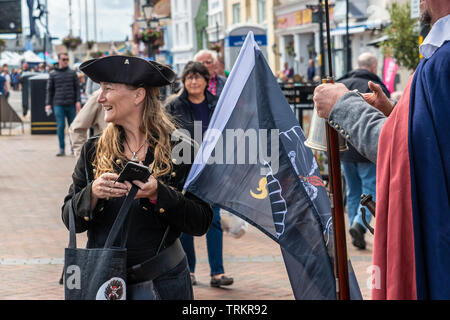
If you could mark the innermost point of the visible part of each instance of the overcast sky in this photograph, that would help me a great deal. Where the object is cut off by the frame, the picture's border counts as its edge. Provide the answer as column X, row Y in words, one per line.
column 114, row 18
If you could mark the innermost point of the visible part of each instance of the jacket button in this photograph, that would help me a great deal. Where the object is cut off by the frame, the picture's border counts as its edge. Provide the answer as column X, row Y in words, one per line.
column 347, row 137
column 331, row 122
column 336, row 126
column 342, row 131
column 118, row 161
column 145, row 208
column 173, row 174
column 86, row 218
column 174, row 160
column 161, row 210
column 101, row 209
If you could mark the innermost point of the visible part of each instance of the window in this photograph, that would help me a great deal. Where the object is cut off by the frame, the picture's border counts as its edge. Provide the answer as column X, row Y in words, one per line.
column 261, row 11
column 236, row 13
column 187, row 40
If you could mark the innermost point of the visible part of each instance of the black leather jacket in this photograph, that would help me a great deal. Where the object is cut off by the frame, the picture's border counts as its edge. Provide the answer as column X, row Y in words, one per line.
column 146, row 221
column 183, row 114
column 63, row 88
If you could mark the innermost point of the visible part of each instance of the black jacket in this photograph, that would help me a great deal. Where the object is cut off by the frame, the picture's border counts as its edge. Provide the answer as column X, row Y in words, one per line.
column 63, row 88
column 146, row 221
column 358, row 79
column 220, row 84
column 181, row 109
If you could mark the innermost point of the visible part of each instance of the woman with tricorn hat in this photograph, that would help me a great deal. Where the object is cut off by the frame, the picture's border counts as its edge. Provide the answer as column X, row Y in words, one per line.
column 138, row 131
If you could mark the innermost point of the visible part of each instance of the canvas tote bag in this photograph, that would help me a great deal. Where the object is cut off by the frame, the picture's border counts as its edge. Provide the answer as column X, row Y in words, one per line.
column 97, row 273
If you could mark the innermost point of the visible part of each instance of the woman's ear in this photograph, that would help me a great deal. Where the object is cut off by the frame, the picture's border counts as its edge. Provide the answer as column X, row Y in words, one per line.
column 139, row 96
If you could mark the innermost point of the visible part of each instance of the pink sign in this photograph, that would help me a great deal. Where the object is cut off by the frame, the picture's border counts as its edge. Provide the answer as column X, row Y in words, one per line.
column 286, row 20
column 390, row 69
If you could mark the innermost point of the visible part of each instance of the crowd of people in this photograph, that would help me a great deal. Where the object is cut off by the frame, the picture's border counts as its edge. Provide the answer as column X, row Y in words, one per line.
column 123, row 118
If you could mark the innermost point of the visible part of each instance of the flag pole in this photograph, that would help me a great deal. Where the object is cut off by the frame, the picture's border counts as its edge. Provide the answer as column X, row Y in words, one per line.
column 335, row 189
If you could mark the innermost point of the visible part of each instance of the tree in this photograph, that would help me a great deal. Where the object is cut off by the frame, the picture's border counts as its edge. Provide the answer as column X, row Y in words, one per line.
column 403, row 37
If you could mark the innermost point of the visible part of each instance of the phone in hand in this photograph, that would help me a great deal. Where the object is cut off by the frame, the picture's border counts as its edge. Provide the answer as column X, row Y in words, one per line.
column 134, row 171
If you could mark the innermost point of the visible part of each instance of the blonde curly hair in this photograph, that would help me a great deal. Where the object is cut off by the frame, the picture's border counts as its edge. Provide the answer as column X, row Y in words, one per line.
column 157, row 126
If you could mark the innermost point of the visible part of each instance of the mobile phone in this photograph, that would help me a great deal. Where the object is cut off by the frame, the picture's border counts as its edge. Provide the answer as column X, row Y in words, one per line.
column 134, row 171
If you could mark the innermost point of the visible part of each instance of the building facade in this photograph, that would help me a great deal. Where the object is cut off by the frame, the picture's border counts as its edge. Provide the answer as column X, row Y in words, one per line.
column 184, row 34
column 298, row 35
column 254, row 13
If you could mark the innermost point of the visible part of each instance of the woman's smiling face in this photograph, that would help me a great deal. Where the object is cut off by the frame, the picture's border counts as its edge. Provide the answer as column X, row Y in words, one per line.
column 117, row 101
column 195, row 84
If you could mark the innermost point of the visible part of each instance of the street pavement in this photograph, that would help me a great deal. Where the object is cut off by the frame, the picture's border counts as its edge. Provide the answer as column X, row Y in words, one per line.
column 33, row 183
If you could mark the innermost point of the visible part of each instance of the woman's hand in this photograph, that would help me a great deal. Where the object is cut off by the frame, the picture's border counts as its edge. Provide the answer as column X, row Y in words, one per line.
column 378, row 99
column 106, row 187
column 147, row 190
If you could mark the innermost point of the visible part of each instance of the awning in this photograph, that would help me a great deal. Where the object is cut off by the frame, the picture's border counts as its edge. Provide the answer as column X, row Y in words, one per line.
column 351, row 29
column 31, row 57
column 377, row 41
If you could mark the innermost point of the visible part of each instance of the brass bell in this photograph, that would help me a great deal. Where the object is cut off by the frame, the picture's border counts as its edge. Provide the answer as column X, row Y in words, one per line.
column 317, row 135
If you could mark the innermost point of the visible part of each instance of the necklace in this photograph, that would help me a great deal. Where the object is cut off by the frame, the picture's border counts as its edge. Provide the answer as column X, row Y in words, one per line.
column 134, row 157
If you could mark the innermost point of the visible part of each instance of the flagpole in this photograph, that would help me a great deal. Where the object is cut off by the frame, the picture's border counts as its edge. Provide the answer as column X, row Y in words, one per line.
column 335, row 189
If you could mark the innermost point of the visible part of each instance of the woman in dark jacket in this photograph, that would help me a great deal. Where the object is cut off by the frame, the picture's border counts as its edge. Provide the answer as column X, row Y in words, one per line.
column 139, row 131
column 196, row 104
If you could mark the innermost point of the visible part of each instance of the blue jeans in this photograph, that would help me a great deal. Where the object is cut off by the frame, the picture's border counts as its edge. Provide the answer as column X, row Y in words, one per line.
column 360, row 178
column 214, row 244
column 61, row 113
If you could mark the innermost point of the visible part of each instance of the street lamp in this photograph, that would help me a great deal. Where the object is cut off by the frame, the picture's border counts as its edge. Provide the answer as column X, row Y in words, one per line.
column 148, row 10
column 150, row 24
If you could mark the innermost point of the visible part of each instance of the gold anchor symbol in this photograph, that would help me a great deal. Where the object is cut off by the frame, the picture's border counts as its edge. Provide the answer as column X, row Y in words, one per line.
column 261, row 188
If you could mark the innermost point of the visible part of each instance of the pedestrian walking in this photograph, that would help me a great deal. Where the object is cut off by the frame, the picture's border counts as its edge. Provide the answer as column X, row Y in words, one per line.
column 311, row 73
column 63, row 94
column 359, row 172
column 90, row 119
column 138, row 131
column 196, row 103
column 5, row 81
column 412, row 150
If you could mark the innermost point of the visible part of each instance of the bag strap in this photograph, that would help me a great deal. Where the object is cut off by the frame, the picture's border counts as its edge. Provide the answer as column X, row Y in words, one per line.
column 121, row 216
column 72, row 233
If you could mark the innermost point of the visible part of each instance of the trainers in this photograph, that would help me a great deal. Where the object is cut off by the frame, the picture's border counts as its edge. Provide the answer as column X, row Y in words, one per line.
column 357, row 232
column 193, row 280
column 222, row 281
column 61, row 154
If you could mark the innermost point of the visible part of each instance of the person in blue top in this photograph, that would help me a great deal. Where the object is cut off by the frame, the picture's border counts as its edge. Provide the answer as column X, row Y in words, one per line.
column 196, row 104
column 3, row 85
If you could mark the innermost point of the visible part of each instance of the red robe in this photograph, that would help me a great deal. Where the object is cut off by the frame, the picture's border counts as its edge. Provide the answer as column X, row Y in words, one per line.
column 393, row 254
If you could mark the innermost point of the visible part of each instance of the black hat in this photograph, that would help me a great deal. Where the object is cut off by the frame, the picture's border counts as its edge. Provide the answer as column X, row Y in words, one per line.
column 128, row 70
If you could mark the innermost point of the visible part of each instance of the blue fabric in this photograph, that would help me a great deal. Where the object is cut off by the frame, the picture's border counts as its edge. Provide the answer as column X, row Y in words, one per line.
column 429, row 149
column 61, row 113
column 214, row 243
column 201, row 113
column 360, row 178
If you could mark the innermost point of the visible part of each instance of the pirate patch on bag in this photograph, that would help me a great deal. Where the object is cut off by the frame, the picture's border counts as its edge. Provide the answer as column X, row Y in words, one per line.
column 113, row 289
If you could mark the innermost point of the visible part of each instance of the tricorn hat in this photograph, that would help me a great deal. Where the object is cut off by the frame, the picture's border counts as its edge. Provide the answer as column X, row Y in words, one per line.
column 128, row 70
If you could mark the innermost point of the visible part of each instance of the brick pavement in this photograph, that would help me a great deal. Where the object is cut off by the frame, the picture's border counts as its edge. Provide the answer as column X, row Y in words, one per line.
column 33, row 183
